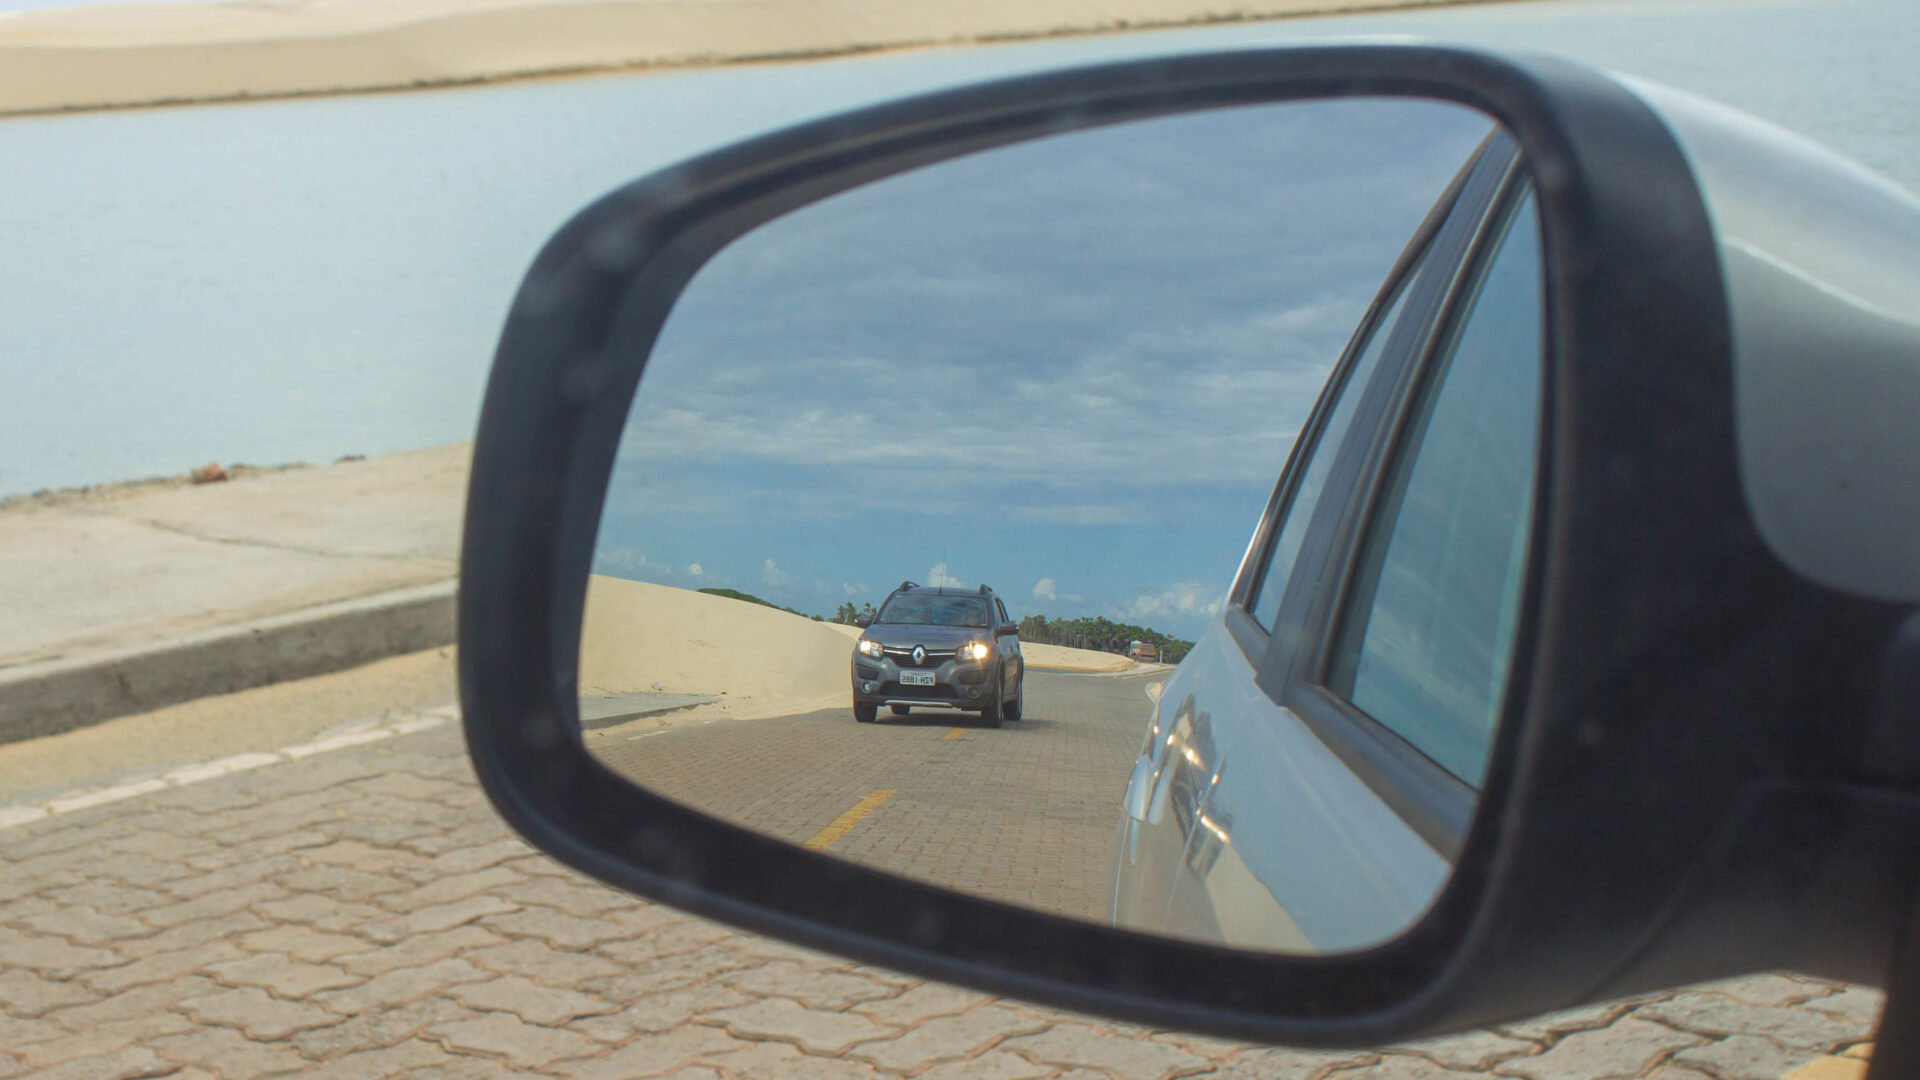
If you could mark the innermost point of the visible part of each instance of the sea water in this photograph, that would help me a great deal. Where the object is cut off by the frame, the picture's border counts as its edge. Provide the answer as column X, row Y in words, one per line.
column 305, row 279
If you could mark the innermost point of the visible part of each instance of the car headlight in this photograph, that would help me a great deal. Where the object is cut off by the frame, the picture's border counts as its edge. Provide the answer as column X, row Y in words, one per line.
column 869, row 648
column 974, row 650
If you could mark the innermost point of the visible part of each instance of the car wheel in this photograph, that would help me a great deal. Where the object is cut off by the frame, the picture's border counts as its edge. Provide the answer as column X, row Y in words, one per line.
column 1018, row 706
column 865, row 713
column 990, row 712
column 901, row 710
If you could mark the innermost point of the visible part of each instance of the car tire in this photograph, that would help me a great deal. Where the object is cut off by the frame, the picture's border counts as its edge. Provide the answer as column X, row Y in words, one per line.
column 1014, row 709
column 990, row 712
column 865, row 713
column 901, row 710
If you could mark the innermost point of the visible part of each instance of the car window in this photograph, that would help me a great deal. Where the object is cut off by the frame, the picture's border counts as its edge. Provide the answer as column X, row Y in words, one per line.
column 968, row 611
column 1426, row 643
column 1306, row 494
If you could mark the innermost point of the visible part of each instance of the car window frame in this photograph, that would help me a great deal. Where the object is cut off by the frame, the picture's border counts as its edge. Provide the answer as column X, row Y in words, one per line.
column 1383, row 515
column 1340, row 395
column 1434, row 803
column 1247, row 632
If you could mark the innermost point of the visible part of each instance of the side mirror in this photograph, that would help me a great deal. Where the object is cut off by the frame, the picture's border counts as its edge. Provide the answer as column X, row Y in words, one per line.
column 863, row 620
column 1616, row 702
column 1006, row 630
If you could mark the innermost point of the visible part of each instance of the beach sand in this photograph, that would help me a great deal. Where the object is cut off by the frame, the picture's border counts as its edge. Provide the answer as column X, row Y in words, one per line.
column 760, row 661
column 756, row 661
column 165, row 53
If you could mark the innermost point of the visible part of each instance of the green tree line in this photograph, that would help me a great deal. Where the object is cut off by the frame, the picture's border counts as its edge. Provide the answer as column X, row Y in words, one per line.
column 736, row 594
column 845, row 614
column 1100, row 634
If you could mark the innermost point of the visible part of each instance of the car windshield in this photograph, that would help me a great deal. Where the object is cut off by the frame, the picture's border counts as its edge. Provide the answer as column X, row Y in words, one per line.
column 936, row 611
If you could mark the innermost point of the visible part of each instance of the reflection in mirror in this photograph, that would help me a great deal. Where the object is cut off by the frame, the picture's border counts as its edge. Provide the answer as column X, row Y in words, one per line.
column 923, row 535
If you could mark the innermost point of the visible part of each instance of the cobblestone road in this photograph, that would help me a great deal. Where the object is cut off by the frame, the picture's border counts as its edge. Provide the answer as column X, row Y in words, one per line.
column 355, row 909
column 1022, row 813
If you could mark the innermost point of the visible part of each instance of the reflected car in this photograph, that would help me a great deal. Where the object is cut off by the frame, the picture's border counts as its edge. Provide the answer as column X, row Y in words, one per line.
column 1310, row 768
column 938, row 647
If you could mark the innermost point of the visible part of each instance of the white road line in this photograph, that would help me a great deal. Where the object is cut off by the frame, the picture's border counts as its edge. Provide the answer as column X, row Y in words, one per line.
column 20, row 815
column 193, row 774
column 337, row 742
column 87, row 800
column 360, row 734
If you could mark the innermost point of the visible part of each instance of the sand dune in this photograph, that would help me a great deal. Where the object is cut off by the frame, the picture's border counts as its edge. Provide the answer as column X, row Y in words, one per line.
column 764, row 662
column 127, row 54
column 640, row 637
column 1063, row 658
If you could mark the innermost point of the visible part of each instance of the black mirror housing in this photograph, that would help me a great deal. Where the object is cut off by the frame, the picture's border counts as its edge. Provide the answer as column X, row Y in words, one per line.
column 1677, row 792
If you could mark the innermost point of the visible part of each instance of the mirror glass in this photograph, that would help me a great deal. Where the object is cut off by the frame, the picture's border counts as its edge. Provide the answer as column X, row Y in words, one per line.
column 948, row 528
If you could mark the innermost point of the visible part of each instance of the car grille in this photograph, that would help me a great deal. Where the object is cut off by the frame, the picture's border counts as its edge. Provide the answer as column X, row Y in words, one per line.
column 903, row 655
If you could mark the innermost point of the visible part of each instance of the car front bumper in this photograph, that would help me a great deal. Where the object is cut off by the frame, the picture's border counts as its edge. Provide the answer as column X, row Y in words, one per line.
column 956, row 684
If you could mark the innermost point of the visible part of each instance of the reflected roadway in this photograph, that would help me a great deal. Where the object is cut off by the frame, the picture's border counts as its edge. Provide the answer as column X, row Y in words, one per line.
column 1021, row 813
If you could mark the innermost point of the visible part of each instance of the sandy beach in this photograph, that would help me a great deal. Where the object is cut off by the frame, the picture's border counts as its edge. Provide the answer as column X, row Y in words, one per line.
column 109, row 55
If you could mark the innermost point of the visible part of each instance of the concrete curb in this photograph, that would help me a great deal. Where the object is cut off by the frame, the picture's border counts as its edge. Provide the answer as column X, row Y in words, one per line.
column 607, row 711
column 60, row 695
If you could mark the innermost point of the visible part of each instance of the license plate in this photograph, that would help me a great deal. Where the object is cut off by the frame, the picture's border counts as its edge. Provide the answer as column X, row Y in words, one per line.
column 916, row 678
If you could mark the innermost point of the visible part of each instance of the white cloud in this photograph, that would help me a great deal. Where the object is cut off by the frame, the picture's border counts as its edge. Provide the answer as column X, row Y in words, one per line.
column 854, row 590
column 1084, row 419
column 1047, row 590
column 1086, row 514
column 773, row 575
column 695, row 570
column 617, row 560
column 939, row 577
column 1187, row 598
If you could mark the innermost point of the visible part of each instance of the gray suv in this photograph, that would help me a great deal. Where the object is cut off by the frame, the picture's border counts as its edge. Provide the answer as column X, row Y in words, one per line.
column 943, row 648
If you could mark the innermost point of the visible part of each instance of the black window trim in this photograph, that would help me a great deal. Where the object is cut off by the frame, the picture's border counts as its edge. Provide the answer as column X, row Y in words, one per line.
column 1437, row 805
column 1247, row 633
column 1246, row 630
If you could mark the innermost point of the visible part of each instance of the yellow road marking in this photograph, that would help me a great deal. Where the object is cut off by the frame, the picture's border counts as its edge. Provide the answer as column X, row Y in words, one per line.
column 1830, row 1068
column 954, row 734
column 838, row 828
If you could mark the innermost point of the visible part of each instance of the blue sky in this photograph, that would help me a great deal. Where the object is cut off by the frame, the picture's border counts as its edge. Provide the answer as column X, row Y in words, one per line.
column 1071, row 369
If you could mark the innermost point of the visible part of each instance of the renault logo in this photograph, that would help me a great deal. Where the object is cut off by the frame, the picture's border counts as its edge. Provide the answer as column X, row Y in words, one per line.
column 919, row 655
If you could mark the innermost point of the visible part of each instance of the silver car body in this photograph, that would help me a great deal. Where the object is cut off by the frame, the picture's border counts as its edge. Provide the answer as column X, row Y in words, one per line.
column 1240, row 825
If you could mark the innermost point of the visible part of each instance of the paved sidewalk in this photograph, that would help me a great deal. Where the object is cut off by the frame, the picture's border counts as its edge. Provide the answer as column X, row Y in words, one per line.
column 135, row 564
column 350, row 906
column 127, row 598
